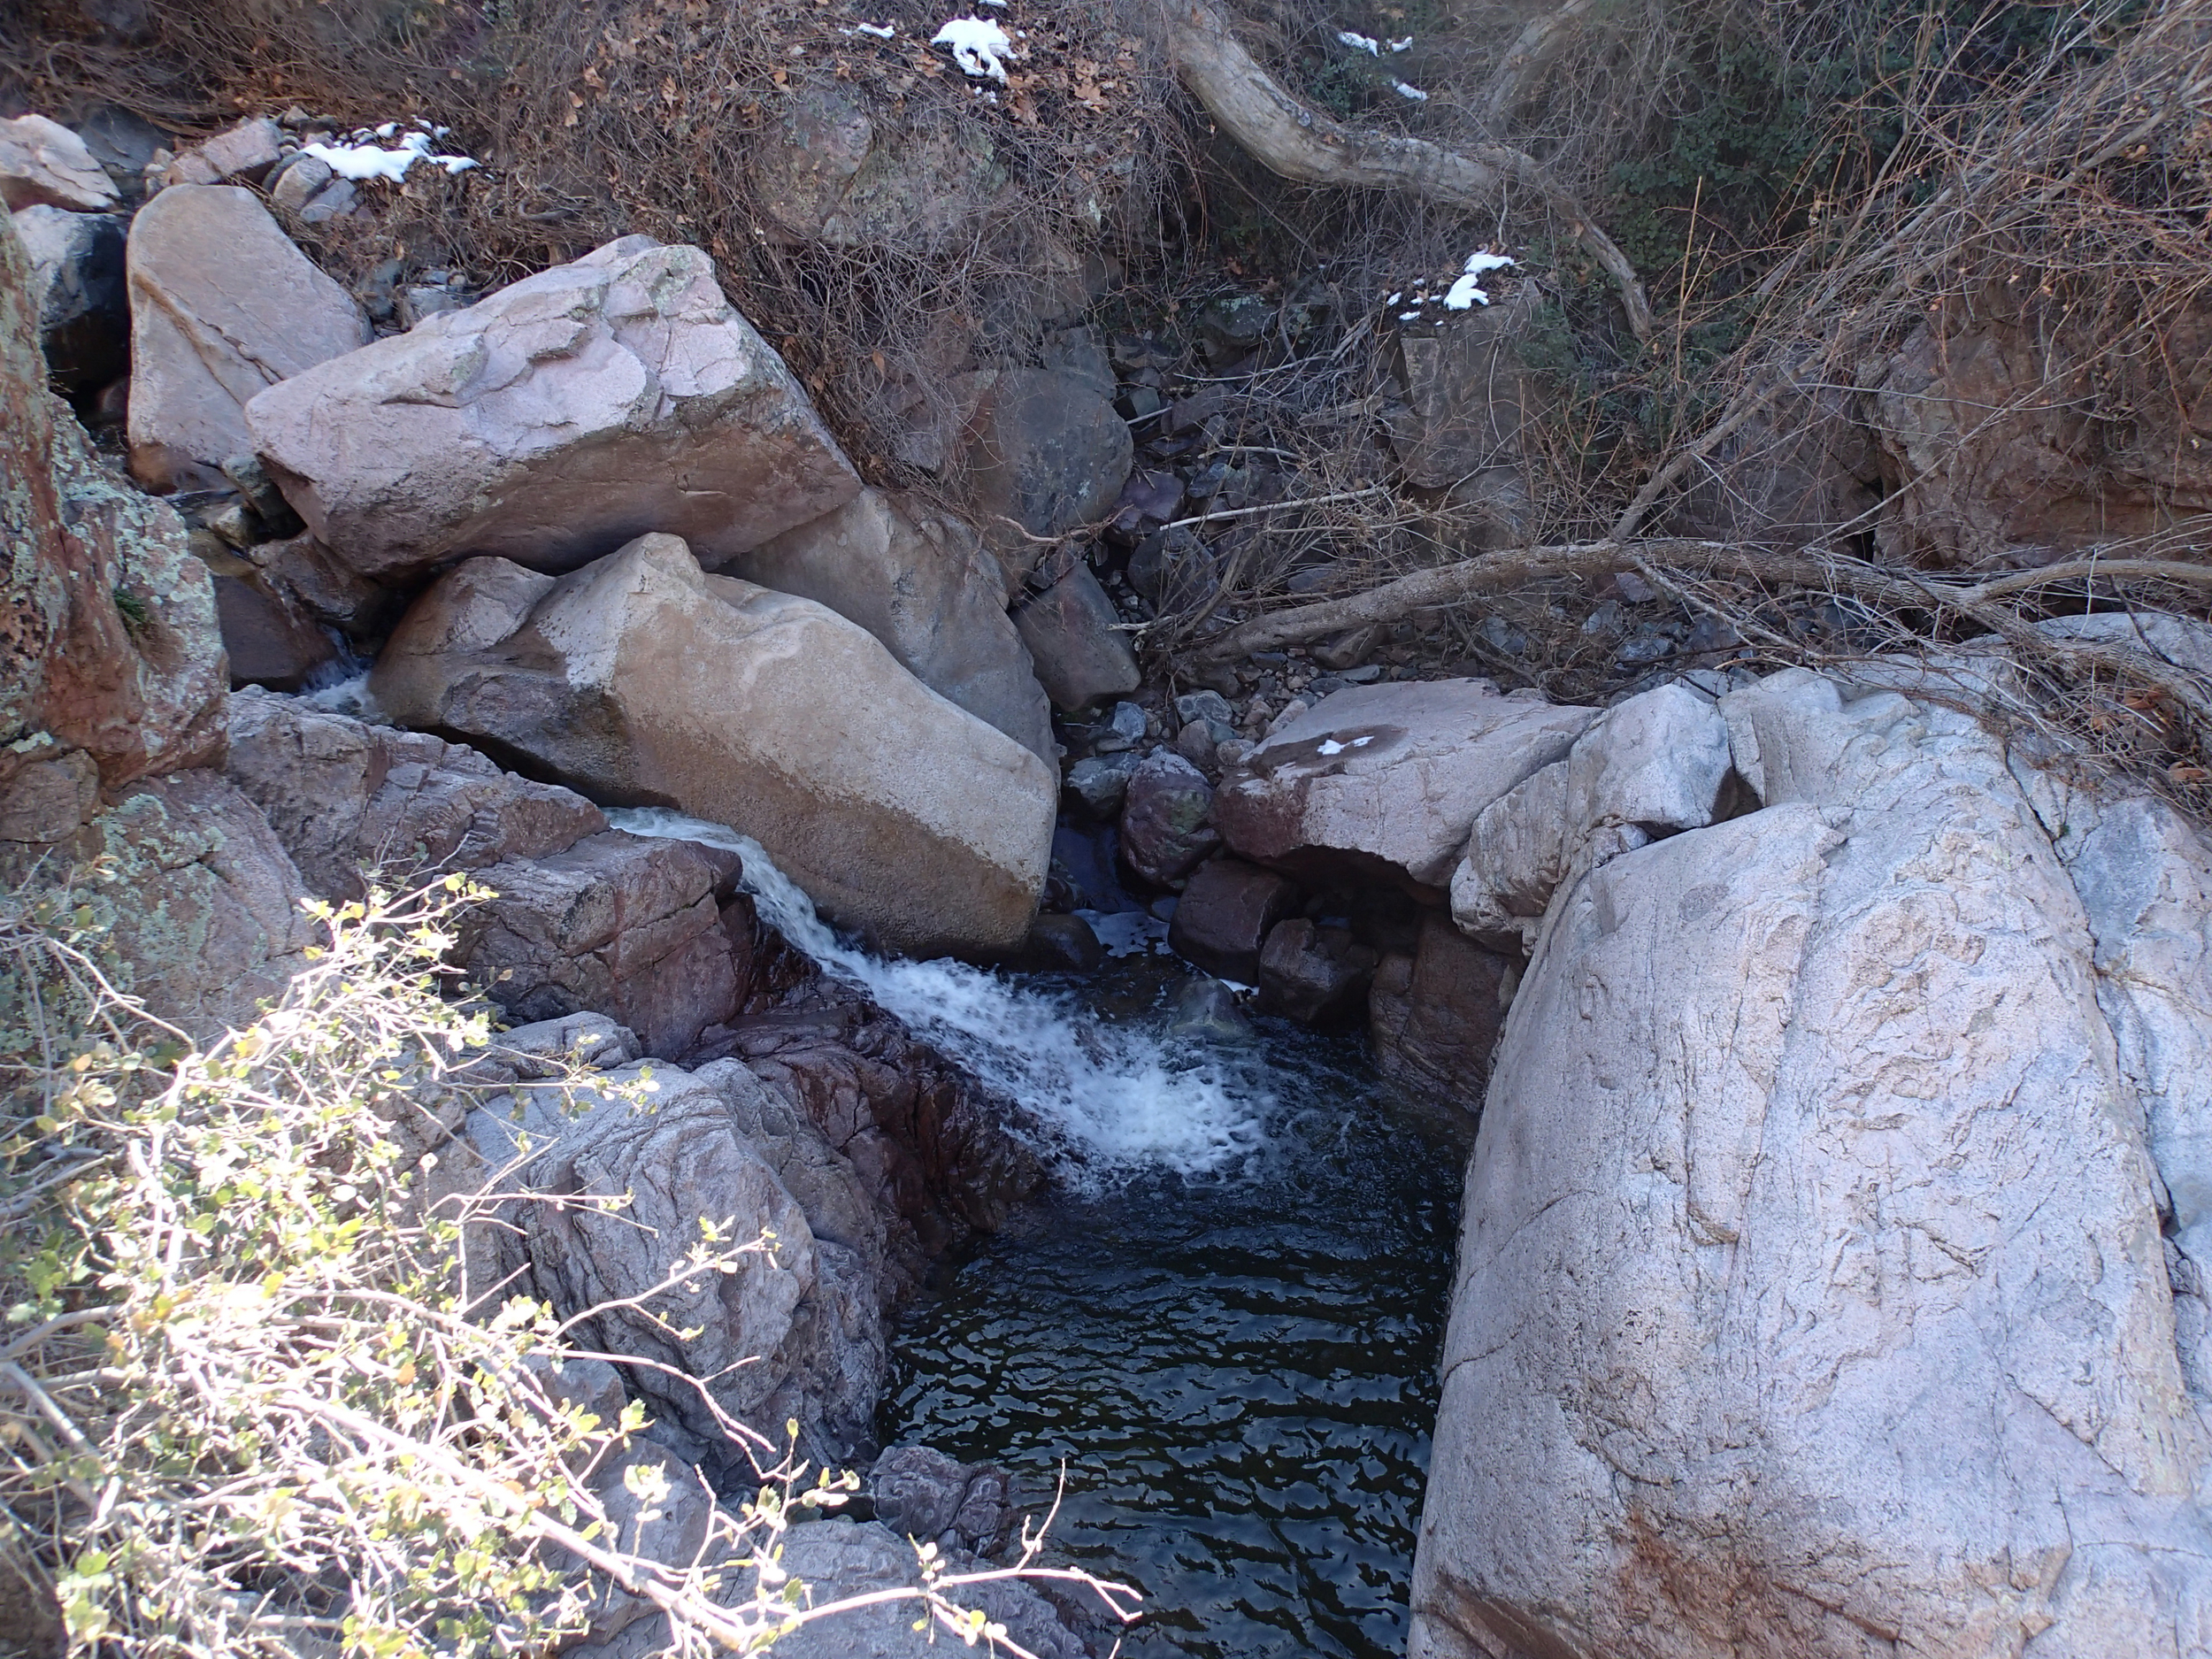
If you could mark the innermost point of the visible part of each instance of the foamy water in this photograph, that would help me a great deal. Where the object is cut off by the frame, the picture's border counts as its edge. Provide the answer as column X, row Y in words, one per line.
column 1115, row 1097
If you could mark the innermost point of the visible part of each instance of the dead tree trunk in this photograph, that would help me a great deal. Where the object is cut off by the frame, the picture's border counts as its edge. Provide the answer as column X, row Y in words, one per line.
column 1307, row 147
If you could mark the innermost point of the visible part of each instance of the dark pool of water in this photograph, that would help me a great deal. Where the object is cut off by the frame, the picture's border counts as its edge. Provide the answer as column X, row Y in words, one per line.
column 1239, row 1371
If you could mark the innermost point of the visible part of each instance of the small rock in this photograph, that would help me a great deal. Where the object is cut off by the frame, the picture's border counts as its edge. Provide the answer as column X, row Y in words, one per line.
column 303, row 176
column 1634, row 588
column 1060, row 944
column 1072, row 635
column 1166, row 821
column 334, row 200
column 1292, row 710
column 1313, row 973
column 1226, row 916
column 1197, row 744
column 1205, row 705
column 1606, row 618
column 1348, row 648
column 44, row 164
column 246, row 151
column 419, row 301
column 1128, row 722
column 1100, row 782
column 1232, row 752
column 1206, row 1010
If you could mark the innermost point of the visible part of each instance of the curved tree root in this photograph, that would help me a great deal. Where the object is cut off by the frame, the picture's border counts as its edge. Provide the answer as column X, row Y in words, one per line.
column 1307, row 147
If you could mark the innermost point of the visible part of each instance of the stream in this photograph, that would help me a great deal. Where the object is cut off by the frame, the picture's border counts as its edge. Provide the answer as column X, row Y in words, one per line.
column 1223, row 1317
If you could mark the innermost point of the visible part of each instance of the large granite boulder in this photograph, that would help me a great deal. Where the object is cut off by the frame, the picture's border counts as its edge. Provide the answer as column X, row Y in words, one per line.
column 1812, row 1299
column 1386, row 781
column 42, row 163
column 641, row 681
column 552, row 422
column 223, row 305
column 110, row 663
column 921, row 582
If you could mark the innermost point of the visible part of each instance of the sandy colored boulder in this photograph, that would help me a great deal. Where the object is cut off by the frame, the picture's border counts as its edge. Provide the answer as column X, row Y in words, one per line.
column 1387, row 780
column 922, row 584
column 44, row 164
column 641, row 681
column 112, row 652
column 222, row 306
column 1811, row 1299
column 554, row 421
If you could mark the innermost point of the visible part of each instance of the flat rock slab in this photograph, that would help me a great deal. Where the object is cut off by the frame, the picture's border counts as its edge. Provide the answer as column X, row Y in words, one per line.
column 44, row 164
column 223, row 306
column 641, row 680
column 554, row 421
column 1387, row 780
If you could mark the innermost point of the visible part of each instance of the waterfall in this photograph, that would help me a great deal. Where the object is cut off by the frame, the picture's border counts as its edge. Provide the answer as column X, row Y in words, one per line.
column 1116, row 1098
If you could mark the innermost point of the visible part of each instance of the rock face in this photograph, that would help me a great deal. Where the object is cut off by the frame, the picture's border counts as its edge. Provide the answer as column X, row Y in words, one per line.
column 110, row 665
column 641, row 681
column 922, row 584
column 1435, row 1014
column 1387, row 780
column 77, row 288
column 554, row 421
column 42, row 163
column 1812, row 1300
column 222, row 306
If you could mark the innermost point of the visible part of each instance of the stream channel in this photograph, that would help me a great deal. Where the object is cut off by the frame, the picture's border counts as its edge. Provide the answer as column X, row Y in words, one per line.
column 1223, row 1317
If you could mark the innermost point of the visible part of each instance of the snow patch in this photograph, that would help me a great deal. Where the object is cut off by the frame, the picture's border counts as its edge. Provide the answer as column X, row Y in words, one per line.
column 1468, row 291
column 1361, row 43
column 363, row 159
column 1414, row 93
column 979, row 46
column 1400, row 46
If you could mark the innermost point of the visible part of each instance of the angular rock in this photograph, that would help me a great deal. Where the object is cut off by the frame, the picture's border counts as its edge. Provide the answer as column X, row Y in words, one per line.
column 42, row 163
column 1226, row 916
column 1100, row 782
column 223, row 305
column 300, row 178
column 1313, row 973
column 642, row 681
column 269, row 642
column 1387, row 780
column 1206, row 1010
column 1435, row 1015
column 1166, row 819
column 1654, row 764
column 112, row 648
column 554, row 421
column 1045, row 450
column 77, row 289
column 1811, row 1271
column 245, row 152
column 922, row 584
column 342, row 795
column 1079, row 654
column 302, row 571
column 1466, row 395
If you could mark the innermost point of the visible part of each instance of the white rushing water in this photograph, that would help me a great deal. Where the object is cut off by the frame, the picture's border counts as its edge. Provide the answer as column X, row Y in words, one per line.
column 1116, row 1097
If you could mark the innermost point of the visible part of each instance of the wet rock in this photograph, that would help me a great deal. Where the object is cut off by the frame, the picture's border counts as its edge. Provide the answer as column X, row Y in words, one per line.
column 1061, row 944
column 1205, row 1011
column 270, row 643
column 304, row 571
column 1166, row 818
column 222, row 306
column 77, row 290
column 922, row 1494
column 1813, row 1016
column 640, row 679
column 1387, row 780
column 1313, row 973
column 1045, row 450
column 1071, row 630
column 554, row 421
column 112, row 648
column 42, row 163
column 919, row 581
column 1101, row 782
column 1653, row 765
column 1226, row 914
column 1435, row 1014
column 343, row 795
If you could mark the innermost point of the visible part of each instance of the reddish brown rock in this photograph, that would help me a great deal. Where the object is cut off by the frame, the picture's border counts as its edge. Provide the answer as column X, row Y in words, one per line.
column 1226, row 916
column 1435, row 1015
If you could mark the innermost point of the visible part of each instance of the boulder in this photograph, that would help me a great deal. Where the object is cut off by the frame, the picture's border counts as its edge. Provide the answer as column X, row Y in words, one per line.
column 639, row 680
column 77, row 290
column 1386, row 780
column 1166, row 818
column 1434, row 1015
column 1466, row 396
column 922, row 584
column 1648, row 766
column 302, row 569
column 244, row 152
column 269, row 642
column 1226, row 916
column 1072, row 635
column 1313, row 973
column 1043, row 450
column 552, row 422
column 112, row 652
column 42, row 163
column 343, row 797
column 830, row 168
column 1811, row 1298
column 222, row 306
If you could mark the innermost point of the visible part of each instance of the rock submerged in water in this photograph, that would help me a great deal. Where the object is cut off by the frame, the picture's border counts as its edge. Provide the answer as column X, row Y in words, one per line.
column 641, row 680
column 554, row 421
